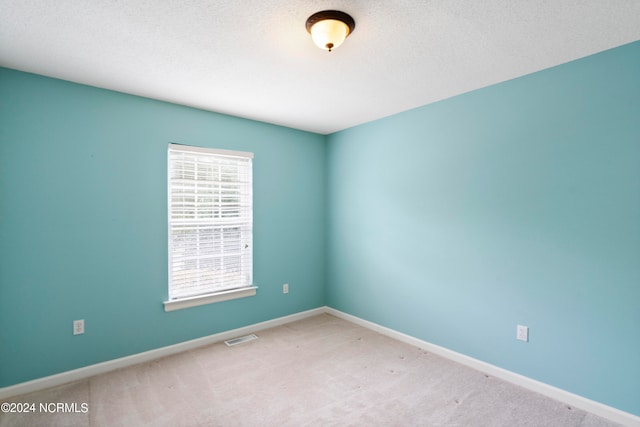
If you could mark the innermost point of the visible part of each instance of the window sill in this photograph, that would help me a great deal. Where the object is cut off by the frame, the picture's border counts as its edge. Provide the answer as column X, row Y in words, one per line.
column 179, row 304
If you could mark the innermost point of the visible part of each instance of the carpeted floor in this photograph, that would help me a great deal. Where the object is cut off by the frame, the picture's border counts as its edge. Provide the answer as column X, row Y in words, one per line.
column 321, row 371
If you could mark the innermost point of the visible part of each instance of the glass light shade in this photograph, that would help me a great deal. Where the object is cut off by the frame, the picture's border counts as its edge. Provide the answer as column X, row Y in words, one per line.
column 329, row 33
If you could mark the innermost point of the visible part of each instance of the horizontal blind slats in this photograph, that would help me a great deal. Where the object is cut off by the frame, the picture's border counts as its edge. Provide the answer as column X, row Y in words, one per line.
column 210, row 222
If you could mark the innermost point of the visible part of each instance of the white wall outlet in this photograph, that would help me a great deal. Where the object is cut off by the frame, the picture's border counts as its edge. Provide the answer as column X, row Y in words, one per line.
column 522, row 333
column 78, row 327
column 285, row 288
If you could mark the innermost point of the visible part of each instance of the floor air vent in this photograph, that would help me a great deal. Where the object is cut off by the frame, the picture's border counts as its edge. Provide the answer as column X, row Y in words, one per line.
column 240, row 340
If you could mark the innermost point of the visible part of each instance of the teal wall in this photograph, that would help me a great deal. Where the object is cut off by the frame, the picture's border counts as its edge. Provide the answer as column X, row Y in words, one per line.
column 516, row 203
column 453, row 222
column 83, row 223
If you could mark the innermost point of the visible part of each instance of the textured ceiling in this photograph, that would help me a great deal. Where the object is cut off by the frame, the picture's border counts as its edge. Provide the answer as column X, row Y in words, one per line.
column 255, row 59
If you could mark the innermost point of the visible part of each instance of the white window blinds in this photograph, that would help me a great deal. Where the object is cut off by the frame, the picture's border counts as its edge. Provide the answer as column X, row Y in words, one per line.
column 210, row 220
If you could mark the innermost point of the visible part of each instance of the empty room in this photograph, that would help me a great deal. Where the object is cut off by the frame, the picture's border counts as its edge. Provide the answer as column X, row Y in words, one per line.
column 341, row 213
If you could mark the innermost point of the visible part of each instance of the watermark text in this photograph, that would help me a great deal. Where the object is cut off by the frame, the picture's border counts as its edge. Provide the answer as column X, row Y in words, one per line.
column 48, row 407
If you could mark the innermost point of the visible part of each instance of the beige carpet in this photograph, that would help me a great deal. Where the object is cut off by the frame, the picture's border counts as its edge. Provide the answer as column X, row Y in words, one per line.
column 320, row 371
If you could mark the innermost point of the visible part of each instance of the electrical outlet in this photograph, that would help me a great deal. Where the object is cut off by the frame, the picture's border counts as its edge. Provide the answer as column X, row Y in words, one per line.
column 78, row 327
column 522, row 333
column 285, row 288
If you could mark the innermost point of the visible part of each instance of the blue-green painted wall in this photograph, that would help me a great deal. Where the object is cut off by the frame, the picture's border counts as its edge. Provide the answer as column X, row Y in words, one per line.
column 83, row 223
column 517, row 203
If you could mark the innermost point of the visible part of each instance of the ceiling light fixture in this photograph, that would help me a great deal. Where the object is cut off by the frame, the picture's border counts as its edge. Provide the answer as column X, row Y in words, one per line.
column 329, row 28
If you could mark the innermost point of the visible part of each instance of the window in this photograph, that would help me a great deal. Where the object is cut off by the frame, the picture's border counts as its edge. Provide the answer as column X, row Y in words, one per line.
column 210, row 225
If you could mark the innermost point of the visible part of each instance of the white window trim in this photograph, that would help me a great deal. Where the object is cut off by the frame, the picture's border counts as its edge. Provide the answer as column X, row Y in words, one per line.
column 224, row 295
column 230, row 153
column 209, row 298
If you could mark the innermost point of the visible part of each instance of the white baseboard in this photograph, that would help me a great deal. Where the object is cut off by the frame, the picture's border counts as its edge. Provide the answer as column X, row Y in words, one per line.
column 574, row 400
column 123, row 362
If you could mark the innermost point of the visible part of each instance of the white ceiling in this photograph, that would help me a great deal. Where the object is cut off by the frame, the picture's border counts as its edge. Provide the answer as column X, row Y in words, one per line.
column 254, row 59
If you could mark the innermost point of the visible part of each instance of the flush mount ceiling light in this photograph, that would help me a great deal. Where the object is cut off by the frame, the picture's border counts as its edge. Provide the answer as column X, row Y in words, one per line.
column 329, row 28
